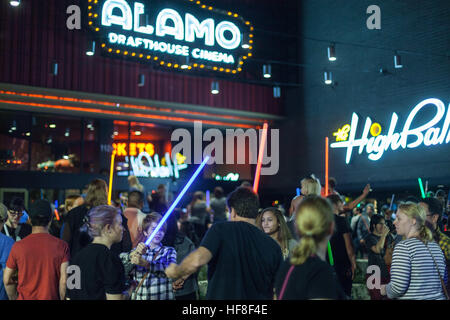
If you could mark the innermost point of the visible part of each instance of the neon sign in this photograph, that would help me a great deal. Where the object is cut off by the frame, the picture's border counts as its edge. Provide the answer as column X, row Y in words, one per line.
column 228, row 177
column 426, row 134
column 145, row 166
column 180, row 34
column 133, row 149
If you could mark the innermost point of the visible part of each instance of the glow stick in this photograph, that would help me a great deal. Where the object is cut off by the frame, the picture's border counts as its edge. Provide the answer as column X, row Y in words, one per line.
column 326, row 167
column 392, row 202
column 177, row 200
column 426, row 186
column 330, row 254
column 262, row 144
column 298, row 191
column 421, row 188
column 56, row 214
column 111, row 175
column 207, row 198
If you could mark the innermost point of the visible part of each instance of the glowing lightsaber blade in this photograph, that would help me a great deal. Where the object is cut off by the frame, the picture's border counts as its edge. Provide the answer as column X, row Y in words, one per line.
column 421, row 188
column 262, row 144
column 177, row 200
column 111, row 175
column 207, row 198
column 392, row 202
column 326, row 166
column 298, row 191
column 330, row 254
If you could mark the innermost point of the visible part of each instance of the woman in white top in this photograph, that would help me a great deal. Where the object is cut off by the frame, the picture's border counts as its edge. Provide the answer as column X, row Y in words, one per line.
column 416, row 259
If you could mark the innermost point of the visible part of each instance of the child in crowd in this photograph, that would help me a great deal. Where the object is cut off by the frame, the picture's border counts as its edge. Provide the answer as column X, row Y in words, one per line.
column 146, row 265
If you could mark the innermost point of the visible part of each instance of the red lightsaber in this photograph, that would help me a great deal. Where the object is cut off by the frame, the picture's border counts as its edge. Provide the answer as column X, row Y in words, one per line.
column 262, row 144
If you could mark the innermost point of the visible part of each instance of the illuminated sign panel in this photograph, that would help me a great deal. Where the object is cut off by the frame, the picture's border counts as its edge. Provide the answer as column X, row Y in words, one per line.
column 428, row 134
column 146, row 163
column 177, row 34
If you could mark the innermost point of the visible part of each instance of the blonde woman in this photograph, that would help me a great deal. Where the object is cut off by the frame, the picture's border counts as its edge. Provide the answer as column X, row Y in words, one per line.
column 417, row 262
column 272, row 222
column 307, row 275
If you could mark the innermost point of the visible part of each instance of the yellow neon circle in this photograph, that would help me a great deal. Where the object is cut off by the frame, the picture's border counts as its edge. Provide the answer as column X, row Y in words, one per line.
column 375, row 129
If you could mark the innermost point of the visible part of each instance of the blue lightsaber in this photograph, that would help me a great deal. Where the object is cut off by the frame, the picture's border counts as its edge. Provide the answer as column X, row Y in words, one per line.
column 207, row 198
column 177, row 200
column 298, row 191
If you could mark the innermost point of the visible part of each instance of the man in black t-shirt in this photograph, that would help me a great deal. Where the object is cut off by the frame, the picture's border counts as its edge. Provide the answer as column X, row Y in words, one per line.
column 242, row 259
column 342, row 247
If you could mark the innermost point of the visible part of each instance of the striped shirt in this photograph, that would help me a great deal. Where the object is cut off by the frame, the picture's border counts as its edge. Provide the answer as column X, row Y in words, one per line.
column 413, row 272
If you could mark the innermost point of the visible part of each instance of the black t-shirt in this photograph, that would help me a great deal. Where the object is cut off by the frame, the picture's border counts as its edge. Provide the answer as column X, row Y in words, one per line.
column 314, row 279
column 377, row 258
column 75, row 220
column 244, row 262
column 101, row 272
column 22, row 230
column 340, row 257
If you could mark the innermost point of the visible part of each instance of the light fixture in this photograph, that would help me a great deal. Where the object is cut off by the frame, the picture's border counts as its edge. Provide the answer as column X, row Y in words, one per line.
column 14, row 3
column 91, row 48
column 276, row 92
column 28, row 134
column 137, row 133
column 116, row 133
column 215, row 87
column 67, row 133
column 397, row 61
column 66, row 157
column 328, row 77
column 331, row 53
column 245, row 46
column 185, row 65
column 141, row 80
column 14, row 126
column 49, row 140
column 52, row 126
column 54, row 70
column 267, row 71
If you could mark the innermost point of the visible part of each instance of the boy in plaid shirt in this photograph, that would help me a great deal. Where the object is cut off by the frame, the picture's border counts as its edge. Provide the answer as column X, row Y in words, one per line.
column 146, row 265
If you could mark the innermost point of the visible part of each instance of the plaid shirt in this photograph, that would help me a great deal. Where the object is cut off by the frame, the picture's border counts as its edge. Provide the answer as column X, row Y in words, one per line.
column 156, row 286
column 443, row 241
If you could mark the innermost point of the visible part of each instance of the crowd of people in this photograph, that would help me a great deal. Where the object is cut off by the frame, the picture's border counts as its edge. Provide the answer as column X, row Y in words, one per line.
column 96, row 251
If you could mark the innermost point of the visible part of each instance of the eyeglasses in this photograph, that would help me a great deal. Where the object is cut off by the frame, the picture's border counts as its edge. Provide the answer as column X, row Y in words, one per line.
column 16, row 213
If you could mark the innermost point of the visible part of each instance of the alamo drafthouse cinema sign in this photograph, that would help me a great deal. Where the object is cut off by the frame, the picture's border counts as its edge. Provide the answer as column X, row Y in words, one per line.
column 178, row 34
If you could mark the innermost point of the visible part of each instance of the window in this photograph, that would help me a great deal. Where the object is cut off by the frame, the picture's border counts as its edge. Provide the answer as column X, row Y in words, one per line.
column 15, row 136
column 56, row 144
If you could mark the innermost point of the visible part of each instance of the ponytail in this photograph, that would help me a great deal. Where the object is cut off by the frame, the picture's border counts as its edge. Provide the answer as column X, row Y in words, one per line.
column 425, row 234
column 314, row 218
column 304, row 249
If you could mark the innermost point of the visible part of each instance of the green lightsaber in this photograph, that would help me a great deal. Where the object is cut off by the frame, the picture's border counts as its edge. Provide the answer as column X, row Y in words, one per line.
column 330, row 254
column 421, row 188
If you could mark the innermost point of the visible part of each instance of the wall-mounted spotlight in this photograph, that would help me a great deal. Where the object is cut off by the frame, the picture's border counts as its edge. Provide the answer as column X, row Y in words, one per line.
column 185, row 65
column 245, row 46
column 397, row 61
column 215, row 87
column 54, row 70
column 14, row 126
column 328, row 77
column 91, row 48
column 67, row 133
column 141, row 80
column 331, row 53
column 14, row 3
column 267, row 71
column 276, row 92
